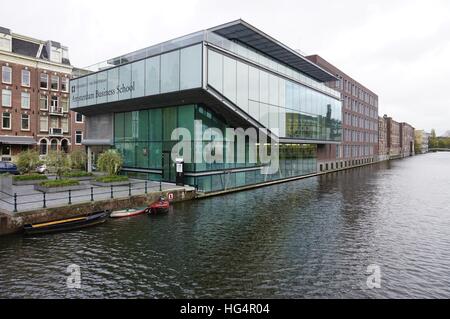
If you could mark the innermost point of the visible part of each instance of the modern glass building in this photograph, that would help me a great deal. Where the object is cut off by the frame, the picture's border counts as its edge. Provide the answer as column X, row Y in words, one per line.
column 230, row 76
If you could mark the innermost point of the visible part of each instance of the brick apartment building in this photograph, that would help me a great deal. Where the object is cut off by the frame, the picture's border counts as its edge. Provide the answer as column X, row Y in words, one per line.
column 383, row 150
column 34, row 105
column 360, row 123
column 393, row 137
column 407, row 140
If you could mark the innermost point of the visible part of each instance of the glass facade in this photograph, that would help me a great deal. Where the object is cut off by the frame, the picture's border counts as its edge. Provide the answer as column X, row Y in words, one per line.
column 298, row 111
column 142, row 137
column 169, row 72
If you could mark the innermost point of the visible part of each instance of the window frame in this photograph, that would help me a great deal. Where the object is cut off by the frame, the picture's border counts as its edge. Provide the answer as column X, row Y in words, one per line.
column 57, row 102
column 40, row 122
column 65, row 79
column 76, row 119
column 21, row 122
column 29, row 78
column 10, row 97
column 29, row 100
column 40, row 81
column 65, row 119
column 5, row 67
column 10, row 121
column 40, row 99
column 51, row 83
column 78, row 133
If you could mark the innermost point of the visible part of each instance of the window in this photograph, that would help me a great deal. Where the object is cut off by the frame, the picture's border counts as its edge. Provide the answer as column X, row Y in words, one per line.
column 44, row 81
column 43, row 147
column 55, row 83
column 79, row 118
column 65, row 84
column 6, row 120
column 43, row 102
column 6, row 98
column 65, row 105
column 55, row 102
column 43, row 123
column 25, row 120
column 65, row 124
column 54, row 122
column 25, row 100
column 26, row 78
column 6, row 150
column 78, row 137
column 54, row 145
column 6, row 74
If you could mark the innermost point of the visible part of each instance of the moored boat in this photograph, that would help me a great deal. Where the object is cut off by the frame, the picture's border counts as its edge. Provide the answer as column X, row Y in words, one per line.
column 67, row 224
column 128, row 212
column 159, row 207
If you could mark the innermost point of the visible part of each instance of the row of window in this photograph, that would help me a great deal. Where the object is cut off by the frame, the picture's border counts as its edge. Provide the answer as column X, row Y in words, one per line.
column 43, row 80
column 359, row 122
column 56, row 104
column 360, row 108
column 361, row 137
column 358, row 150
column 43, row 122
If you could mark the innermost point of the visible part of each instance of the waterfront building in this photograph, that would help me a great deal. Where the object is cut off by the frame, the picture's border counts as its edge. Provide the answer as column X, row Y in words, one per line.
column 230, row 76
column 359, row 122
column 383, row 150
column 407, row 138
column 422, row 140
column 393, row 138
column 34, row 87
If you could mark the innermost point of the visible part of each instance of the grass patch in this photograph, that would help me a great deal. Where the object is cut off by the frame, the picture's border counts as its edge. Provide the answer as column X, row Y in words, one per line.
column 30, row 177
column 60, row 183
column 77, row 174
column 111, row 179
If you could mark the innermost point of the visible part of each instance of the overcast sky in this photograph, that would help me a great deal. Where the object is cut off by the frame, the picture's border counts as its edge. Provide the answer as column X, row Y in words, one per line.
column 400, row 49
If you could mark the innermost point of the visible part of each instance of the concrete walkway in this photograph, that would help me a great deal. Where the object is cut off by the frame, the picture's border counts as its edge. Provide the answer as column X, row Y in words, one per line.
column 29, row 199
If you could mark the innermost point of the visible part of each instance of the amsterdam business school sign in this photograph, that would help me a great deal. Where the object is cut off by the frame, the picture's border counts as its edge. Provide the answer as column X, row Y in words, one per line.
column 119, row 90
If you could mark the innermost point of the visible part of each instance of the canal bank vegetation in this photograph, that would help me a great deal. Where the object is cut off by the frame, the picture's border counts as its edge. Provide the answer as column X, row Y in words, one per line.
column 77, row 174
column 110, row 162
column 27, row 161
column 438, row 142
column 112, row 179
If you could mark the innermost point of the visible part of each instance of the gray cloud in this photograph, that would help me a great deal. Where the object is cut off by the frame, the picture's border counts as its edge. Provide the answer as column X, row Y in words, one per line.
column 398, row 48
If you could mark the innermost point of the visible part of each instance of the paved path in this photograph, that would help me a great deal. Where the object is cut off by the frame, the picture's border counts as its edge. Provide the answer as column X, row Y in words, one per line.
column 30, row 199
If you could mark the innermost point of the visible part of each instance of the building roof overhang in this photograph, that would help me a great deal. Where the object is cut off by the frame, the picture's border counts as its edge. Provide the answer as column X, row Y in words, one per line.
column 245, row 33
column 17, row 140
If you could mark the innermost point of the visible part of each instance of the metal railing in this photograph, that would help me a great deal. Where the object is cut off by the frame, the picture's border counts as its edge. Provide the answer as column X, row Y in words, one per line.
column 16, row 202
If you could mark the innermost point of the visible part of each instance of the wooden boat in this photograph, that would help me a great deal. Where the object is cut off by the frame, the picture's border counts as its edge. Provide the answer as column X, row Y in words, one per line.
column 159, row 207
column 128, row 212
column 67, row 224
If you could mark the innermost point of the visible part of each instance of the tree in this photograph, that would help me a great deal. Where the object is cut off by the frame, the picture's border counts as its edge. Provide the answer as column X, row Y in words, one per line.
column 110, row 162
column 57, row 163
column 27, row 161
column 78, row 159
column 433, row 142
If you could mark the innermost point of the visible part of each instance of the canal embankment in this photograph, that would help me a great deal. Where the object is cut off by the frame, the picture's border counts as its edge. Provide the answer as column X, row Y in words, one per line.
column 26, row 206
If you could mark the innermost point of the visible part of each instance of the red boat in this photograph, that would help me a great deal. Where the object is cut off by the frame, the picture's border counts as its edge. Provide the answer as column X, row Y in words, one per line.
column 159, row 207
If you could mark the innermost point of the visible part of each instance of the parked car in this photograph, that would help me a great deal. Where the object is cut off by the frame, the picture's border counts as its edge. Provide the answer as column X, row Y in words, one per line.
column 42, row 169
column 7, row 167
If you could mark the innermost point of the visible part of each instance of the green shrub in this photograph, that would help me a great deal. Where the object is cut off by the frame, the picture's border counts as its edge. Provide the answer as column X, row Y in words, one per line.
column 60, row 183
column 77, row 174
column 110, row 162
column 78, row 159
column 27, row 161
column 30, row 177
column 57, row 163
column 112, row 179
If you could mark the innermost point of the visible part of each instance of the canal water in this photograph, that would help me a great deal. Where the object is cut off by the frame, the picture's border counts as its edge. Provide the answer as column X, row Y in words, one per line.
column 314, row 238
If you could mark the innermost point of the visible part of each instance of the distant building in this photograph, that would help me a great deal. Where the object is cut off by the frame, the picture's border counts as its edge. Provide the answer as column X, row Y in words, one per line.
column 359, row 123
column 383, row 150
column 406, row 140
column 34, row 86
column 422, row 140
column 393, row 138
